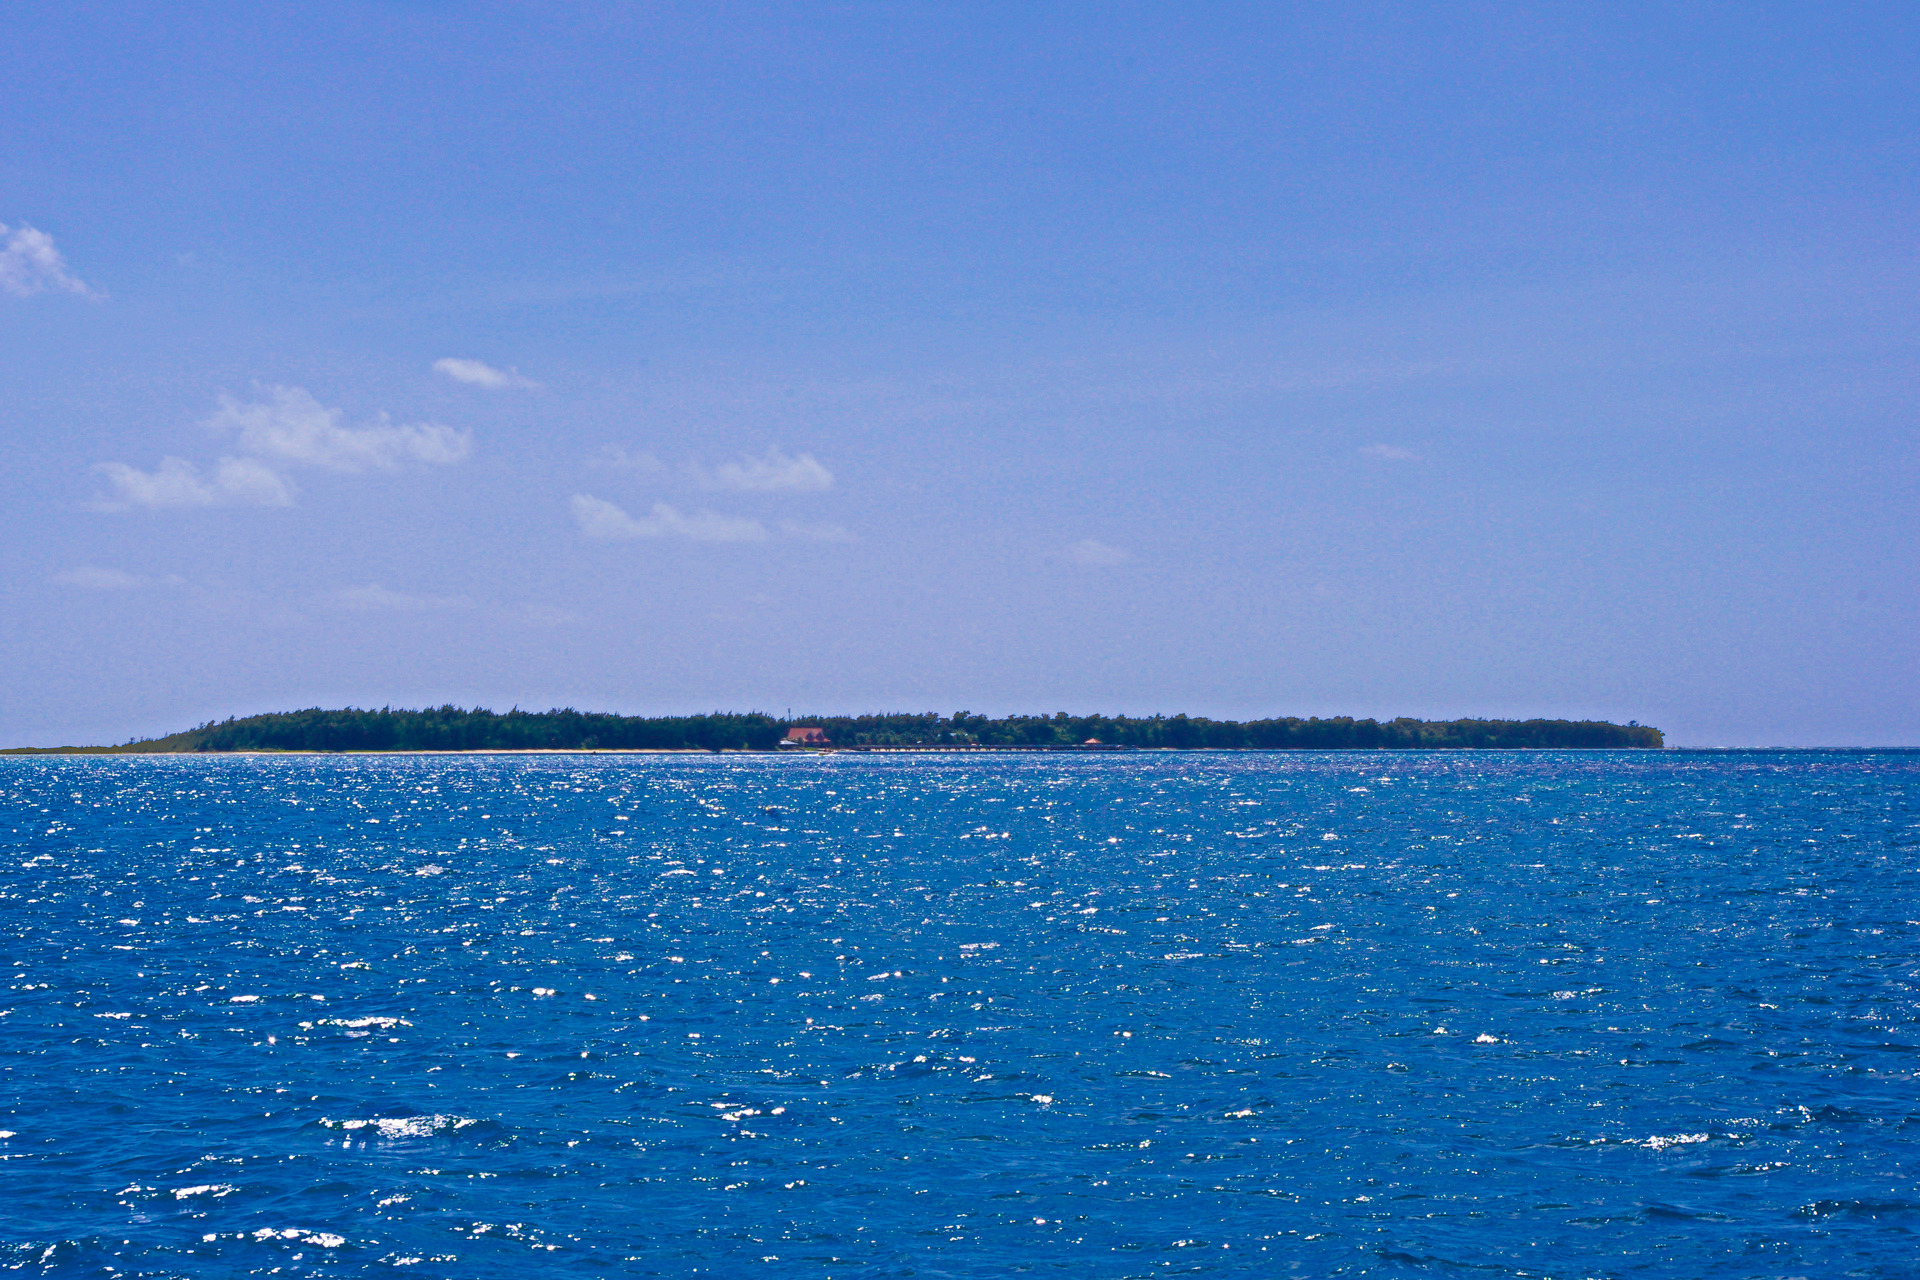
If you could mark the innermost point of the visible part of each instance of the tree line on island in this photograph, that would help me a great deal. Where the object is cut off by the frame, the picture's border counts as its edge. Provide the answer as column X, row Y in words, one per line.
column 451, row 728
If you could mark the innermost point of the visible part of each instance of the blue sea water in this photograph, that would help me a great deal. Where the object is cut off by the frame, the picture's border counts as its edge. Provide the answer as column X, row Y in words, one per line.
column 1550, row 1014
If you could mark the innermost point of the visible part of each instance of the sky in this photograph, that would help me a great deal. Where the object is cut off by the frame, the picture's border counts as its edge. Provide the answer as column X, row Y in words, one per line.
column 1244, row 360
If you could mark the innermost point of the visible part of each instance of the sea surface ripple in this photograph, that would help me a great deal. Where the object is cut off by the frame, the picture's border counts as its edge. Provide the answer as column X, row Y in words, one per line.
column 1550, row 1014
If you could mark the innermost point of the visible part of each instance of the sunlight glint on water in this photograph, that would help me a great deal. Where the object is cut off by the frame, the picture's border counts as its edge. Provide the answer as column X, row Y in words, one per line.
column 1561, row 1014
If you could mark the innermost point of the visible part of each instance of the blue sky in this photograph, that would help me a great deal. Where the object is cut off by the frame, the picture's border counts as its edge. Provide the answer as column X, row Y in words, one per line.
column 1246, row 360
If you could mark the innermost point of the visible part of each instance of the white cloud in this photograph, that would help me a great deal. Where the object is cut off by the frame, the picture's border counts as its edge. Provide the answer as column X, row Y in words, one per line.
column 176, row 482
column 815, row 532
column 30, row 264
column 1389, row 453
column 287, row 429
column 775, row 472
column 1096, row 555
column 477, row 373
column 601, row 519
column 291, row 427
column 373, row 597
column 93, row 578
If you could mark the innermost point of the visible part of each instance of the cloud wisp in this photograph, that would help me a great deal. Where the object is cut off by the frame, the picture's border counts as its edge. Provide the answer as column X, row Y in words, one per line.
column 618, row 458
column 1089, row 553
column 287, row 429
column 774, row 472
column 292, row 428
column 30, row 263
column 233, row 482
column 478, row 373
column 374, row 598
column 94, row 578
column 603, row 521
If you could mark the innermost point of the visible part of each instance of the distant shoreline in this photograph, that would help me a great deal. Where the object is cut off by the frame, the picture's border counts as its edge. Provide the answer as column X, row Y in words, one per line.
column 480, row 731
column 34, row 752
column 817, row 753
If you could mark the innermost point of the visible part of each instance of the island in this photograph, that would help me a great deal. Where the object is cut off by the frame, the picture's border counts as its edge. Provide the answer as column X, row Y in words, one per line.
column 451, row 728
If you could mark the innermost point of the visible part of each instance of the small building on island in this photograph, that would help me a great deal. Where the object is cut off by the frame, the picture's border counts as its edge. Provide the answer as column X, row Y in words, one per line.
column 806, row 736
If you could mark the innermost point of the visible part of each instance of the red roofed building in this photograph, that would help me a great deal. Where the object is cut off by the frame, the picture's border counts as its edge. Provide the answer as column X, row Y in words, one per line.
column 810, row 736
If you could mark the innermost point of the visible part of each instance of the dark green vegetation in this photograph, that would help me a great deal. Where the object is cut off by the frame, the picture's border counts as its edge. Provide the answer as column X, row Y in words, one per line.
column 456, row 729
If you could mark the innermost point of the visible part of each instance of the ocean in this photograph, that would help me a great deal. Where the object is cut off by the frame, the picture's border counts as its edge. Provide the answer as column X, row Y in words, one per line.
column 1557, row 1014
